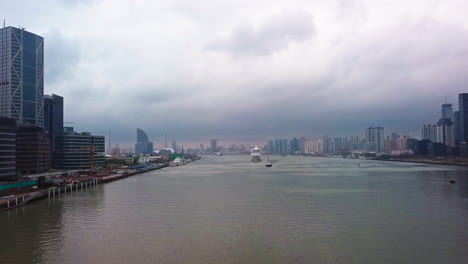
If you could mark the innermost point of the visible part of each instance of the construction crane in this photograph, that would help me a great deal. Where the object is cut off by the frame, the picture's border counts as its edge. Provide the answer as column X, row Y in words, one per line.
column 91, row 158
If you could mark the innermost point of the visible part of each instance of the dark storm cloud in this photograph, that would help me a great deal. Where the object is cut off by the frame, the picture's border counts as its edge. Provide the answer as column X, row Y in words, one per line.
column 274, row 34
column 397, row 78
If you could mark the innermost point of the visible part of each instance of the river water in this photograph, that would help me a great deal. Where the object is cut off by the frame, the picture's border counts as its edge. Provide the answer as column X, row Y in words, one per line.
column 229, row 210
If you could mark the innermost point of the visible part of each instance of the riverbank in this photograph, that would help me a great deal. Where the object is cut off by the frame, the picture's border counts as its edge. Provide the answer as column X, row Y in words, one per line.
column 433, row 162
column 31, row 193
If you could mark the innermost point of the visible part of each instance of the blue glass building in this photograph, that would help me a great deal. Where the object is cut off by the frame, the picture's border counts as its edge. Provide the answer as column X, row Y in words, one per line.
column 53, row 117
column 143, row 145
column 22, row 76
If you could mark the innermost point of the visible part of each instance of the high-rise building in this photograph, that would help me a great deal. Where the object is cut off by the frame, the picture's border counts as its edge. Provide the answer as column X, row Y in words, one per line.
column 445, row 126
column 328, row 145
column 303, row 140
column 283, row 146
column 413, row 145
column 32, row 150
column 447, row 111
column 338, row 143
column 375, row 139
column 429, row 132
column 402, row 143
column 463, row 119
column 271, row 146
column 22, row 76
column 72, row 150
column 313, row 146
column 7, row 149
column 445, row 132
column 143, row 145
column 174, row 145
column 456, row 128
column 214, row 145
column 394, row 140
column 294, row 145
column 53, row 117
column 355, row 144
column 388, row 144
column 345, row 146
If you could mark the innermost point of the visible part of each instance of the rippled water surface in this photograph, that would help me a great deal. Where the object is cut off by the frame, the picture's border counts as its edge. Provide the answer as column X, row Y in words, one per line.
column 228, row 210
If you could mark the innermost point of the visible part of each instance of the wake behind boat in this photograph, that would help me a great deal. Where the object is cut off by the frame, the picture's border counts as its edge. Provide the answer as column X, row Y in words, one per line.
column 256, row 154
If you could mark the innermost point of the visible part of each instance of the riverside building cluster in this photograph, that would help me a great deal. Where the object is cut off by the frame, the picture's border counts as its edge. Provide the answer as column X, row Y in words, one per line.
column 445, row 138
column 33, row 138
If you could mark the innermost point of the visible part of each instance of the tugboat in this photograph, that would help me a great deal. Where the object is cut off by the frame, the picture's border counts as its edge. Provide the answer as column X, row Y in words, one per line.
column 268, row 164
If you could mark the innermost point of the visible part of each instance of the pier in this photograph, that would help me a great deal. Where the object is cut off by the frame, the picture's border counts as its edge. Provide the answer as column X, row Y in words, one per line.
column 17, row 200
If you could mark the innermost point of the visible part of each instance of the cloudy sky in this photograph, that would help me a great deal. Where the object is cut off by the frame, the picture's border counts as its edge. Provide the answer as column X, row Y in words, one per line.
column 245, row 70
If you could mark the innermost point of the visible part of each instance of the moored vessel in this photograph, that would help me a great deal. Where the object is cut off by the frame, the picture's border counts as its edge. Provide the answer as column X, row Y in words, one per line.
column 256, row 154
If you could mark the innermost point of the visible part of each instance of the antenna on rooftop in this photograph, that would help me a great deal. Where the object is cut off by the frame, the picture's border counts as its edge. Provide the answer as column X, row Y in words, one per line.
column 4, row 23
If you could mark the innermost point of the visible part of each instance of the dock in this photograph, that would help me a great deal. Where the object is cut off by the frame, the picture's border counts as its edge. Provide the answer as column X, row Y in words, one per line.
column 17, row 200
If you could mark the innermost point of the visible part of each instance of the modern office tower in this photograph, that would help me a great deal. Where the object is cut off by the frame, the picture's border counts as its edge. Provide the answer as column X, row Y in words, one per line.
column 174, row 145
column 447, row 111
column 32, row 150
column 375, row 139
column 143, row 145
column 214, row 145
column 72, row 150
column 463, row 118
column 429, row 132
column 445, row 126
column 7, row 149
column 22, row 76
column 53, row 117
column 456, row 128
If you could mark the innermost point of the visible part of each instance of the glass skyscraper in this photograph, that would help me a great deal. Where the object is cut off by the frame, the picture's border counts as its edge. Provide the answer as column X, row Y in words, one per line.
column 143, row 145
column 22, row 76
column 463, row 116
column 53, row 117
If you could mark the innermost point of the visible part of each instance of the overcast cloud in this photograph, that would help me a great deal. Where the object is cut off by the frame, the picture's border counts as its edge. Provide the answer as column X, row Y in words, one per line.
column 242, row 71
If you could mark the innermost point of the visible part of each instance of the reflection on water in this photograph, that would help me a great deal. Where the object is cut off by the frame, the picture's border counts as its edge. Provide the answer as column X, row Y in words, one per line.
column 229, row 210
